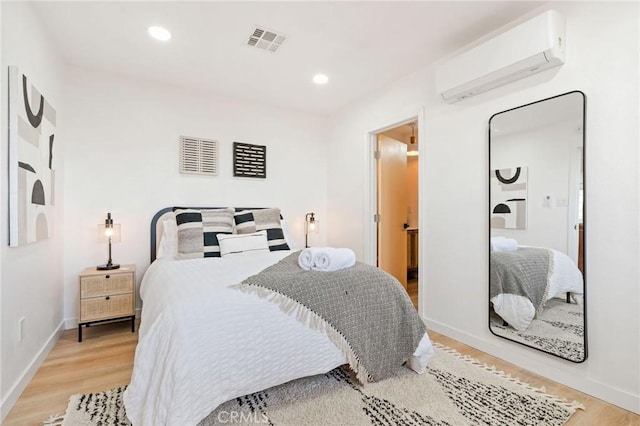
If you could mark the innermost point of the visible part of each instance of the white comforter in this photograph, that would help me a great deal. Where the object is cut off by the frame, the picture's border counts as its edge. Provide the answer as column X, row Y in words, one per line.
column 201, row 343
column 518, row 311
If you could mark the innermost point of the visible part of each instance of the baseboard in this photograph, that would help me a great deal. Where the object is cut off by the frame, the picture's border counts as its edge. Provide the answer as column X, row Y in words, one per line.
column 16, row 390
column 542, row 365
column 71, row 323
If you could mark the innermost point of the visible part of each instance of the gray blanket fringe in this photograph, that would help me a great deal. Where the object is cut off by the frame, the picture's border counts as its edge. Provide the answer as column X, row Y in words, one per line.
column 363, row 310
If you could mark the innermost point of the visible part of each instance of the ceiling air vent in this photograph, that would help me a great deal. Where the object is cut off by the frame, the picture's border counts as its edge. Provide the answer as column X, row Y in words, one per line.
column 266, row 39
column 198, row 156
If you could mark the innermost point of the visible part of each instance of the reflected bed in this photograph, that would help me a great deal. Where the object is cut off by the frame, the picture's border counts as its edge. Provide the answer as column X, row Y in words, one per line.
column 522, row 281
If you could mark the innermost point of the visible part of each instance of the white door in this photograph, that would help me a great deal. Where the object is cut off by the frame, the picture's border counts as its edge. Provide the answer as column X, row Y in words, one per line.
column 392, row 207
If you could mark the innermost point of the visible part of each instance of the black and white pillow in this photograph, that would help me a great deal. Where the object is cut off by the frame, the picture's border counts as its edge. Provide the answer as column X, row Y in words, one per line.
column 250, row 221
column 198, row 231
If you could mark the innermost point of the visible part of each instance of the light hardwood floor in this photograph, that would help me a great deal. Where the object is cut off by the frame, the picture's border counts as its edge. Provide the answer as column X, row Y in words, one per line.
column 105, row 359
column 102, row 361
column 412, row 290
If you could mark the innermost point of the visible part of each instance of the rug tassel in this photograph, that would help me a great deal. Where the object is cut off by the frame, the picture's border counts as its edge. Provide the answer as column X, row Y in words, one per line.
column 574, row 405
column 54, row 420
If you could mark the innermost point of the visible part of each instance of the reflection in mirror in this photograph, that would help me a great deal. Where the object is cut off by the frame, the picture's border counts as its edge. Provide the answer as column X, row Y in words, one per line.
column 536, row 195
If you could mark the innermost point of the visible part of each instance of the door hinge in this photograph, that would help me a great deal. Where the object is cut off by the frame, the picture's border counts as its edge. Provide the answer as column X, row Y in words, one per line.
column 376, row 218
column 376, row 154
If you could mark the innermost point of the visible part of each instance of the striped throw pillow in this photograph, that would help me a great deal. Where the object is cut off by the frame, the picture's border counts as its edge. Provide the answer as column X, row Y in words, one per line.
column 198, row 231
column 250, row 221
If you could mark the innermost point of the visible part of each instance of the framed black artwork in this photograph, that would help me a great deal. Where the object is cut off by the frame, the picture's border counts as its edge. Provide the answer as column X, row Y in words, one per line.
column 249, row 160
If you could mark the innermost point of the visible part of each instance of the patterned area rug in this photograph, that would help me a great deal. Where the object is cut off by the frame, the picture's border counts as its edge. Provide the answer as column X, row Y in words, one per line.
column 558, row 330
column 455, row 390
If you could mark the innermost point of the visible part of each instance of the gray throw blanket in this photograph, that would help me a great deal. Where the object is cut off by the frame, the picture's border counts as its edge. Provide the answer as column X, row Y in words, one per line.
column 365, row 311
column 524, row 272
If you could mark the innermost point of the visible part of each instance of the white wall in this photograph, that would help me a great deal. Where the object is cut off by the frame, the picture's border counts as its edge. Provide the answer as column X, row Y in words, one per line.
column 31, row 285
column 3, row 130
column 122, row 157
column 602, row 61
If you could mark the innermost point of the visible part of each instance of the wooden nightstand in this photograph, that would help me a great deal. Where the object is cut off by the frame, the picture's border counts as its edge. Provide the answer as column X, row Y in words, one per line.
column 106, row 296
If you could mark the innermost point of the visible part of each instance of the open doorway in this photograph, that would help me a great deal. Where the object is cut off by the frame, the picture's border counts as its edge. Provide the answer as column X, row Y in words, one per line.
column 397, row 204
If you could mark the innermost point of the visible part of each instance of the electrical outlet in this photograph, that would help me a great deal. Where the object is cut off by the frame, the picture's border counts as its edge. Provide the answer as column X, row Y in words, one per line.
column 20, row 329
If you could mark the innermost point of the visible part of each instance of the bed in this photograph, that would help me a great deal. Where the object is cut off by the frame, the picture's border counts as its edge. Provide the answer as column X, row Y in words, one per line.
column 202, row 342
column 522, row 280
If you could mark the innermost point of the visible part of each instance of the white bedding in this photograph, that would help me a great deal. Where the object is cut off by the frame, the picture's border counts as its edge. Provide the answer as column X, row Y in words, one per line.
column 518, row 311
column 201, row 344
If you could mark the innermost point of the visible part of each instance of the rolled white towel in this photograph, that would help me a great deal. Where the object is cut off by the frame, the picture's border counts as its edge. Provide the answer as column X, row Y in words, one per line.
column 307, row 257
column 499, row 244
column 333, row 259
column 326, row 258
column 494, row 242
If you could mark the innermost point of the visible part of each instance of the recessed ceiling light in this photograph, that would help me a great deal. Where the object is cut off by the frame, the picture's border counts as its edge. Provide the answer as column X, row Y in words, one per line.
column 159, row 33
column 320, row 79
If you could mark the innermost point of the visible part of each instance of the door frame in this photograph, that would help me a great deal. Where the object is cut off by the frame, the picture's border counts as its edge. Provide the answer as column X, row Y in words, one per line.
column 371, row 195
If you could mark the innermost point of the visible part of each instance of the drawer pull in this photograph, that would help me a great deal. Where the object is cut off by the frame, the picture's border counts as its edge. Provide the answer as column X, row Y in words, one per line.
column 107, row 298
column 107, row 276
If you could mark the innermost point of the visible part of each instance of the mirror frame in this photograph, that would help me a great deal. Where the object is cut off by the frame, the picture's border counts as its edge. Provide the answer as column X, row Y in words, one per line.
column 584, row 224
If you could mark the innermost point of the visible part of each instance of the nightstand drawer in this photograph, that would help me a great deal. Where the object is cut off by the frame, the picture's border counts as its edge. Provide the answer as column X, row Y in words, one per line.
column 107, row 284
column 98, row 308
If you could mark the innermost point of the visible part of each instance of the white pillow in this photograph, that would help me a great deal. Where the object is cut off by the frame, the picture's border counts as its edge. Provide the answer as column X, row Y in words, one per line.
column 168, row 246
column 287, row 234
column 241, row 244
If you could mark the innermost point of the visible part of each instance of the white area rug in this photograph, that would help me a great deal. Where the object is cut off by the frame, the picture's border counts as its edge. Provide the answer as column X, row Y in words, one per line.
column 455, row 390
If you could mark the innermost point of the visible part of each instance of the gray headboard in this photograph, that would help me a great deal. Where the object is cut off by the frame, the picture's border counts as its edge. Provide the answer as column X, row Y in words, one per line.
column 167, row 213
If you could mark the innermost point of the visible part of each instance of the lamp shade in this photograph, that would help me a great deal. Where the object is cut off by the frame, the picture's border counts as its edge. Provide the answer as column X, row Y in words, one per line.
column 105, row 231
column 311, row 226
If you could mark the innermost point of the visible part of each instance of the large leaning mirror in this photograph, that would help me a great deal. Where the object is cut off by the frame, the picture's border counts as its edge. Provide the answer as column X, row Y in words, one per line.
column 537, row 233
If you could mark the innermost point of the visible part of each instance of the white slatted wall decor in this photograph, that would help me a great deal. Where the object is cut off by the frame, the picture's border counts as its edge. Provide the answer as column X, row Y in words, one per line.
column 198, row 156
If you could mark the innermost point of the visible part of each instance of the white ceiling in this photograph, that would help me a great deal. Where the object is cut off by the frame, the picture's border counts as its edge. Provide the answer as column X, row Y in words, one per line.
column 361, row 45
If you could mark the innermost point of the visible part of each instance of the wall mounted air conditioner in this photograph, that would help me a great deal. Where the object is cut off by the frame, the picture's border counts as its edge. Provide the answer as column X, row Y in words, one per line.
column 529, row 48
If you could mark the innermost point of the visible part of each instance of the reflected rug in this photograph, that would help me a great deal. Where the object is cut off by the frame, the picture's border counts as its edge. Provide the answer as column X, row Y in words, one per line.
column 559, row 330
column 455, row 390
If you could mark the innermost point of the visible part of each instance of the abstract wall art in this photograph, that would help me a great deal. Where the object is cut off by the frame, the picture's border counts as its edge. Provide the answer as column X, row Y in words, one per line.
column 249, row 160
column 509, row 198
column 32, row 132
